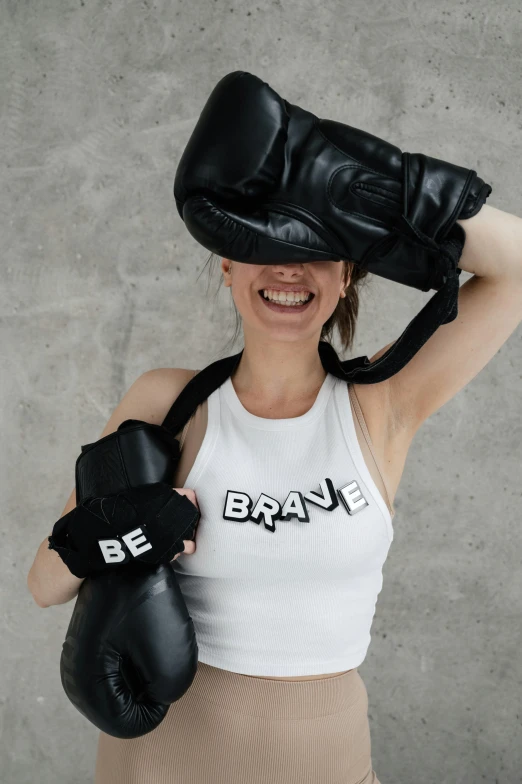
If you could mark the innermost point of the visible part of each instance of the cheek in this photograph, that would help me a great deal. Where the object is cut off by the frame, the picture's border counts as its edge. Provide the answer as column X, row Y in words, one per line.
column 330, row 298
column 245, row 299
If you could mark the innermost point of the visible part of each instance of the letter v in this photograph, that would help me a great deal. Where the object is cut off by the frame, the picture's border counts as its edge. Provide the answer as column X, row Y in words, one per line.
column 328, row 500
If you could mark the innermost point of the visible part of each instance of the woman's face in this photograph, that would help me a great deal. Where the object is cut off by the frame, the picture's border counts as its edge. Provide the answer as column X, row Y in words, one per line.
column 324, row 279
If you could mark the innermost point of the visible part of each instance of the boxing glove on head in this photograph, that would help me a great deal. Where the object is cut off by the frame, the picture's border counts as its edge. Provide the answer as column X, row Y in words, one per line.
column 264, row 181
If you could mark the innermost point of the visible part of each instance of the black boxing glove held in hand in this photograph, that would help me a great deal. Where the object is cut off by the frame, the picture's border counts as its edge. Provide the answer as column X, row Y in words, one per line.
column 146, row 523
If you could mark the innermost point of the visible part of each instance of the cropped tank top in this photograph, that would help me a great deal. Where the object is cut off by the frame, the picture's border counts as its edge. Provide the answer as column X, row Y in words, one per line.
column 291, row 541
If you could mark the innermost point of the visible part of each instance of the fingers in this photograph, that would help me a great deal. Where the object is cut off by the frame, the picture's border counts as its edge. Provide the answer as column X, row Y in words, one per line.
column 190, row 544
column 191, row 495
column 190, row 547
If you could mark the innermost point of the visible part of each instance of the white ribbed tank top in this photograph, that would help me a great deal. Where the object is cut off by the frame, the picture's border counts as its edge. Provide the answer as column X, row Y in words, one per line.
column 270, row 596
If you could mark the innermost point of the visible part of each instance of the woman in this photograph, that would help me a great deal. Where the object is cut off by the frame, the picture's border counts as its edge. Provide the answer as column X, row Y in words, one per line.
column 283, row 617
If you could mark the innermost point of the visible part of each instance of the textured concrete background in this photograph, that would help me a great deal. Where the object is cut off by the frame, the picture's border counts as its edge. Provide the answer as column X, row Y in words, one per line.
column 99, row 284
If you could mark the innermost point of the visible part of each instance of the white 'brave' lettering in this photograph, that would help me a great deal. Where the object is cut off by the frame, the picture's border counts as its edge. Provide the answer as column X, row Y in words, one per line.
column 240, row 508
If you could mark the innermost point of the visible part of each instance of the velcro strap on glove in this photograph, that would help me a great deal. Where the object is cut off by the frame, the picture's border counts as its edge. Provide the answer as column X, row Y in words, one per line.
column 146, row 523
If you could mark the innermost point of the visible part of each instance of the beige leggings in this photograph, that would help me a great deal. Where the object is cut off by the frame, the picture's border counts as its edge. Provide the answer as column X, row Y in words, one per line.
column 230, row 728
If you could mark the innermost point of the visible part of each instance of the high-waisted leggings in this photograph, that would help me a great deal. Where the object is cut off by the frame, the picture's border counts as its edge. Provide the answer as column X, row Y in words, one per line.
column 230, row 728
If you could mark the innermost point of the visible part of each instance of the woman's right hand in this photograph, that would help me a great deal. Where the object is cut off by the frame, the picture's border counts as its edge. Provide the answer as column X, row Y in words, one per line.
column 190, row 544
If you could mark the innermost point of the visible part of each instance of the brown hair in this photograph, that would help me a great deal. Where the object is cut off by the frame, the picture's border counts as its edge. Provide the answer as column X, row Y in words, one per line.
column 344, row 316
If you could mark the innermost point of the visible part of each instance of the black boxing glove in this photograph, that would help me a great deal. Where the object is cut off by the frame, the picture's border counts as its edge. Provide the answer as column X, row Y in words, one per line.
column 263, row 181
column 130, row 649
column 146, row 523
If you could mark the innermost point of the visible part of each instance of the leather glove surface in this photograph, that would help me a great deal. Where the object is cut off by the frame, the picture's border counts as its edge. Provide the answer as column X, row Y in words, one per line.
column 264, row 181
column 146, row 523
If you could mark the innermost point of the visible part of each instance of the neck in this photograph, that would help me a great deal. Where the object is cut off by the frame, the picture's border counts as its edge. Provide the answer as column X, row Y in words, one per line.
column 279, row 370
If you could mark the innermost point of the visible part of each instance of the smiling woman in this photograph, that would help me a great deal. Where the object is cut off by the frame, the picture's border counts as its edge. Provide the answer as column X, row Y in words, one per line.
column 294, row 532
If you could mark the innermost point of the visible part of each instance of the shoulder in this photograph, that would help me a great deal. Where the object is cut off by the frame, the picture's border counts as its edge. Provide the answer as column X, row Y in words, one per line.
column 161, row 386
column 150, row 397
column 162, row 380
column 379, row 404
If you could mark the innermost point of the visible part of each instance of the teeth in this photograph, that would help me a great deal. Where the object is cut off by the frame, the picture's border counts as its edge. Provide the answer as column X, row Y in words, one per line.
column 287, row 297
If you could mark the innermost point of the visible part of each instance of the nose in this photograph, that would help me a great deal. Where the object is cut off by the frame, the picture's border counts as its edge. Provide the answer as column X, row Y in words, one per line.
column 292, row 267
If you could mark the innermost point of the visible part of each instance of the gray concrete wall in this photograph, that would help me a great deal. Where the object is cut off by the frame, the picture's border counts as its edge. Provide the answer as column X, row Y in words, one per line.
column 98, row 284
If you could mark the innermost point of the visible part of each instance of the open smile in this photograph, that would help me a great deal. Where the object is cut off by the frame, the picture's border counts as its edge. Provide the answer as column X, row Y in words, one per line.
column 278, row 307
